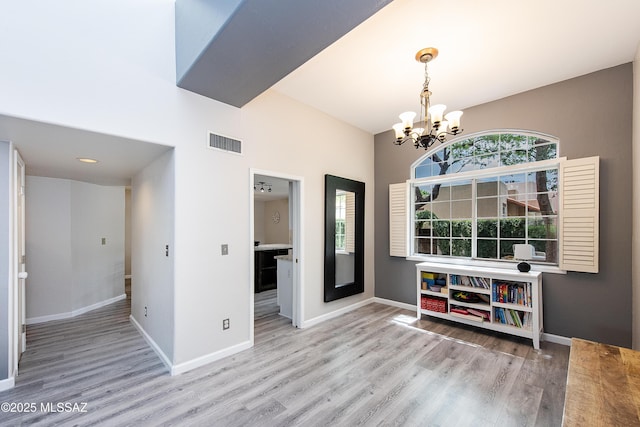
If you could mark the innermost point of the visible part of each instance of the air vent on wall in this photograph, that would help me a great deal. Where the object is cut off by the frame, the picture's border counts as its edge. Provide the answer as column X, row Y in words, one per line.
column 220, row 142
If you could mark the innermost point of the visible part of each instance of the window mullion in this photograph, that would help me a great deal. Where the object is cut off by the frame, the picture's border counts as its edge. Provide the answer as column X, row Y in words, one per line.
column 474, row 219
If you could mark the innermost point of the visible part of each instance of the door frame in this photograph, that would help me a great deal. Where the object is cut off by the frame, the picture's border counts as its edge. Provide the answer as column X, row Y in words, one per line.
column 17, row 294
column 296, row 198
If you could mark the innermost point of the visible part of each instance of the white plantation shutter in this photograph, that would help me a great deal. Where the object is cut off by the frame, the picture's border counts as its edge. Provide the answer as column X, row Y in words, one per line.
column 350, row 222
column 398, row 216
column 580, row 213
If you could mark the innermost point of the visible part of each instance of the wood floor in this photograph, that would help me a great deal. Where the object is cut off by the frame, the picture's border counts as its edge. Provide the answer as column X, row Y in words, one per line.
column 375, row 366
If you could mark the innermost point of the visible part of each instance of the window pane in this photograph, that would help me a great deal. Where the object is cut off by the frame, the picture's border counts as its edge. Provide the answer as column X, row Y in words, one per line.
column 506, row 248
column 545, row 250
column 543, row 204
column 461, row 247
column 487, row 187
column 512, row 227
column 543, row 228
column 443, row 246
column 440, row 155
column 486, row 161
column 461, row 228
column 423, row 171
column 422, row 193
column 461, row 165
column 512, row 141
column 488, row 207
column 423, row 245
column 462, row 149
column 487, row 249
column 486, row 144
column 461, row 209
column 512, row 185
column 423, row 228
column 514, row 157
column 542, row 181
column 441, row 210
column 442, row 228
column 461, row 190
column 542, row 150
column 488, row 228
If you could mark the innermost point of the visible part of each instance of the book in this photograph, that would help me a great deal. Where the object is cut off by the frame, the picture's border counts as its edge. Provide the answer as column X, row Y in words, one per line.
column 468, row 316
column 480, row 313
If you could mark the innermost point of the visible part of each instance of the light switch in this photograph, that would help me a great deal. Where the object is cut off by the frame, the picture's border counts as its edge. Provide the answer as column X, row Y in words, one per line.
column 225, row 249
column 104, row 241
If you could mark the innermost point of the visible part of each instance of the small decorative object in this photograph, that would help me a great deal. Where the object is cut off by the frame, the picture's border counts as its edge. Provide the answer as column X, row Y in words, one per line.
column 523, row 252
column 463, row 296
column 276, row 217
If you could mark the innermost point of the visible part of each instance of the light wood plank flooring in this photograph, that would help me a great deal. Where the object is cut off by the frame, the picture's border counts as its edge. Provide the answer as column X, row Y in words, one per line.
column 264, row 304
column 375, row 366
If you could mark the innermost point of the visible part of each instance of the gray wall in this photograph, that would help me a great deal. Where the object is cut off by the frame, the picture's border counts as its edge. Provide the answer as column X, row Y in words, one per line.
column 592, row 116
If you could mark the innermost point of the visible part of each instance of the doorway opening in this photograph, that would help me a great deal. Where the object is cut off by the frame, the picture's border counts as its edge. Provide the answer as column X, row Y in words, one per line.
column 275, row 216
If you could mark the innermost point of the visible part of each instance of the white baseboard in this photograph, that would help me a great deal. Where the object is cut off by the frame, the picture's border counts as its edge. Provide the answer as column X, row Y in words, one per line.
column 336, row 313
column 151, row 342
column 395, row 303
column 181, row 368
column 558, row 339
column 7, row 384
column 74, row 313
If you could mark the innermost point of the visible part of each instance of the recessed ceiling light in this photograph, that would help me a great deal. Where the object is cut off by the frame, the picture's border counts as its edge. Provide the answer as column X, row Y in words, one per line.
column 86, row 160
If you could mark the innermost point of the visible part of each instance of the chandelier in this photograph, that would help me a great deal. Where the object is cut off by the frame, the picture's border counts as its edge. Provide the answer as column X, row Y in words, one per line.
column 436, row 129
column 261, row 186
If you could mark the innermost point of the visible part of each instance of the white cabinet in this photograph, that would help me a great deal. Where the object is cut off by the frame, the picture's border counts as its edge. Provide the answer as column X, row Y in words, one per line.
column 501, row 300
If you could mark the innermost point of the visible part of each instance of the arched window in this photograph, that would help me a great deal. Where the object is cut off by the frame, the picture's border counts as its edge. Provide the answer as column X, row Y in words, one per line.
column 477, row 196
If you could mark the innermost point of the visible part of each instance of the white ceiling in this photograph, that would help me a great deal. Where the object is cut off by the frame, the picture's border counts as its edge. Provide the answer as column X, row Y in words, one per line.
column 279, row 188
column 488, row 50
column 52, row 151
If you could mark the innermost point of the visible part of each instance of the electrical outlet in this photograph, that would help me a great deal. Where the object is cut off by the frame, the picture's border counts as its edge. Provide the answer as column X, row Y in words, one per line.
column 104, row 241
column 225, row 324
column 145, row 311
column 166, row 250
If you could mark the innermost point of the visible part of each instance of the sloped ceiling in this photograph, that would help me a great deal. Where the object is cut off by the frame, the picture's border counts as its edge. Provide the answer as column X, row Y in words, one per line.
column 488, row 50
column 232, row 51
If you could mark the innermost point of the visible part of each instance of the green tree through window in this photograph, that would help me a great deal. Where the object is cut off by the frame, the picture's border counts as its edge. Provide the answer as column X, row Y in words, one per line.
column 477, row 197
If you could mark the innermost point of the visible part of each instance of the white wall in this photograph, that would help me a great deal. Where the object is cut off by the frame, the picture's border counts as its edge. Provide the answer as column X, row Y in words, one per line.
column 97, row 213
column 312, row 158
column 110, row 67
column 69, row 267
column 152, row 273
column 48, row 246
